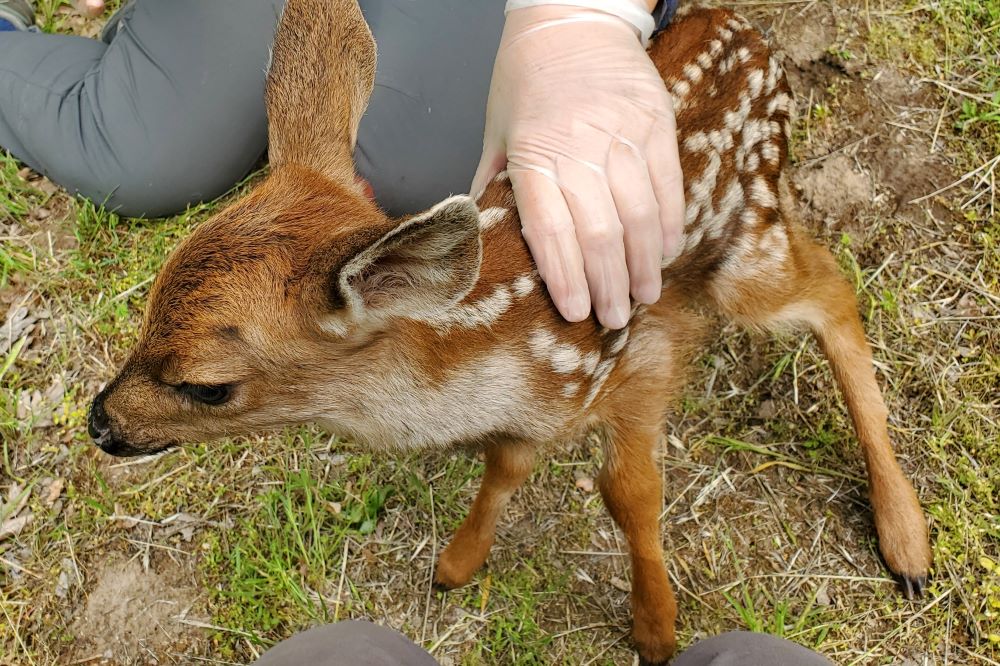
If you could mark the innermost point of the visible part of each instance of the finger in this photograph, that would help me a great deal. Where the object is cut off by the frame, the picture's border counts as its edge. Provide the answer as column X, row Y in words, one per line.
column 600, row 235
column 668, row 183
column 491, row 163
column 548, row 230
column 628, row 178
column 91, row 7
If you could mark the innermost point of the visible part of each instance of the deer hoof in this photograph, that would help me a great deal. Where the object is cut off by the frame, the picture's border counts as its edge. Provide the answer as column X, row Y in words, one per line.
column 913, row 586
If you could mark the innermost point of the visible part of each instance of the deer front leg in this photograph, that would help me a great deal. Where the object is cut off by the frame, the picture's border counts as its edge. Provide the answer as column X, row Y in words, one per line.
column 507, row 466
column 631, row 488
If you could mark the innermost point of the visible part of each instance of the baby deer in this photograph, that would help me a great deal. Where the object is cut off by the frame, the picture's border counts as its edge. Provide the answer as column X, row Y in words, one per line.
column 303, row 302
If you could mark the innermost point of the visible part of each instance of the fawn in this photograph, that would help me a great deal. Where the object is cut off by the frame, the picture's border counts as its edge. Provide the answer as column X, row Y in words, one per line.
column 303, row 302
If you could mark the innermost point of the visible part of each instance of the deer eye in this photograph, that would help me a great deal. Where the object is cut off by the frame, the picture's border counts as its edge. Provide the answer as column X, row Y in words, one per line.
column 208, row 394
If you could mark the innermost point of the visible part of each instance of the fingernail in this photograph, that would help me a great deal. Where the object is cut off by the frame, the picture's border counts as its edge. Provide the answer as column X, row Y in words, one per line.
column 617, row 317
column 648, row 293
column 577, row 307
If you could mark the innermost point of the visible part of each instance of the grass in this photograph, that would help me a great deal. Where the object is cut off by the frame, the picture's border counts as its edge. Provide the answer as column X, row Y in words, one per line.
column 765, row 516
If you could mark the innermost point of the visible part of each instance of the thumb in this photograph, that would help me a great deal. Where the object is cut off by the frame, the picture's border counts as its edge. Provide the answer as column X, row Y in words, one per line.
column 492, row 162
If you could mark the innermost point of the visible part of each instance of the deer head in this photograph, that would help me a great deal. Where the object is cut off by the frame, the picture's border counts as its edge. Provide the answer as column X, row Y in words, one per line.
column 272, row 306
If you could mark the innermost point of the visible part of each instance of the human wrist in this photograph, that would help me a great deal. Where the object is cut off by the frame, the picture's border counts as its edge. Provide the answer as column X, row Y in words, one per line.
column 635, row 13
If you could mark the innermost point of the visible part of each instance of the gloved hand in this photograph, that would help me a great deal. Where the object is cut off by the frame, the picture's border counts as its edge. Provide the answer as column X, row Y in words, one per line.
column 584, row 124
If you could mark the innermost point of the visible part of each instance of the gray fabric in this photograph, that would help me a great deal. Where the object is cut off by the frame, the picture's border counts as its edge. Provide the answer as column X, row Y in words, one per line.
column 742, row 648
column 349, row 643
column 422, row 135
column 171, row 112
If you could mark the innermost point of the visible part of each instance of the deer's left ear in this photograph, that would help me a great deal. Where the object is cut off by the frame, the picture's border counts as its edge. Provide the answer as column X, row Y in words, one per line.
column 422, row 267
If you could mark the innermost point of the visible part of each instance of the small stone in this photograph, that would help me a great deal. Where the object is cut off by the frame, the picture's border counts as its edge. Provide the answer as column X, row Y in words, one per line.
column 620, row 584
column 585, row 483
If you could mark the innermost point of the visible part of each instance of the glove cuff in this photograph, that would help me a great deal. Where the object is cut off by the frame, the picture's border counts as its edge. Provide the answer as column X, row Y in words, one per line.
column 628, row 10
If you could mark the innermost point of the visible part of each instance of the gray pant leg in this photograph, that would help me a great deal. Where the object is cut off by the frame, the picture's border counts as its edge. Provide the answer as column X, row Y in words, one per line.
column 422, row 135
column 349, row 643
column 170, row 113
column 743, row 648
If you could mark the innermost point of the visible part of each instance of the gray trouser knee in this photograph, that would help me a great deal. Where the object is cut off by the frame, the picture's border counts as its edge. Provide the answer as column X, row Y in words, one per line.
column 349, row 643
column 172, row 111
column 743, row 648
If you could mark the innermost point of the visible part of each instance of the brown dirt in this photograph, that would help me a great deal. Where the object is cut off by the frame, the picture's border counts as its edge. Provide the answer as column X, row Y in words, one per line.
column 133, row 614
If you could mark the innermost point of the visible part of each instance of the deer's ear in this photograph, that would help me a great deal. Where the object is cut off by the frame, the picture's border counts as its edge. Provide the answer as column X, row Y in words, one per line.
column 419, row 269
column 319, row 80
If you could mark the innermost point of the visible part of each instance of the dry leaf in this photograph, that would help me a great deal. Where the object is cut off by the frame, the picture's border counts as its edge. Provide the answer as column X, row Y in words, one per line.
column 14, row 526
column 55, row 489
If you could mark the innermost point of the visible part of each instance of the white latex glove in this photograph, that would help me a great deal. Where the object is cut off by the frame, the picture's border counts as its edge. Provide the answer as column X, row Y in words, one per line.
column 584, row 124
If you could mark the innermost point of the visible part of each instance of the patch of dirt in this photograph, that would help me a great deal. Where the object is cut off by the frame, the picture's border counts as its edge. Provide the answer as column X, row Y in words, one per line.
column 132, row 614
column 835, row 188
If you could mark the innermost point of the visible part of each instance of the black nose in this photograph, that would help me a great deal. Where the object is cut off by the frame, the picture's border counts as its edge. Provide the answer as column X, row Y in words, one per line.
column 97, row 423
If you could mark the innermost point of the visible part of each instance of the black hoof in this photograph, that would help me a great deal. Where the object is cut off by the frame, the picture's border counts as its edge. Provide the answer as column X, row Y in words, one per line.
column 913, row 586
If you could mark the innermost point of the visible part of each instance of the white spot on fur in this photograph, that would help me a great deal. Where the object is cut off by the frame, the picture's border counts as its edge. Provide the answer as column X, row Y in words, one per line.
column 752, row 163
column 502, row 177
column 731, row 200
column 693, row 72
column 715, row 48
column 770, row 152
column 484, row 312
column 590, row 362
column 755, row 80
column 565, row 358
column 773, row 74
column 705, row 60
column 681, row 89
column 541, row 343
column 780, row 102
column 600, row 376
column 570, row 389
column 491, row 216
column 726, row 35
column 523, row 286
column 761, row 194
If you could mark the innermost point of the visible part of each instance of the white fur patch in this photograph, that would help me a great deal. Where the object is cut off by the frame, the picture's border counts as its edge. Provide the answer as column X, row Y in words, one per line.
column 524, row 285
column 484, row 312
column 693, row 72
column 761, row 194
column 770, row 152
column 490, row 216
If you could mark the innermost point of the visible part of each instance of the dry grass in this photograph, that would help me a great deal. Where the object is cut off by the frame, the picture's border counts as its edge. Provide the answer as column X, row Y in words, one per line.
column 217, row 551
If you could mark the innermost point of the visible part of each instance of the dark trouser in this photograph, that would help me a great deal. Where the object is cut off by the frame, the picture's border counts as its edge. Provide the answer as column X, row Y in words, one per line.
column 171, row 111
column 356, row 643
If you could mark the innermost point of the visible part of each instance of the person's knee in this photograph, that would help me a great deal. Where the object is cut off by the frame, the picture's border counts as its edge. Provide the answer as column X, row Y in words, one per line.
column 145, row 185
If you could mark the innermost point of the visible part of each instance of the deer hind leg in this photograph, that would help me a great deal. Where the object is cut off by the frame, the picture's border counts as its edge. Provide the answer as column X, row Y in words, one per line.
column 789, row 280
column 631, row 488
column 507, row 466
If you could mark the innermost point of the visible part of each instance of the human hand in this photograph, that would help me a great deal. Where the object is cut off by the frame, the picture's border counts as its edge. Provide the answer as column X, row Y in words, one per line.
column 91, row 8
column 584, row 124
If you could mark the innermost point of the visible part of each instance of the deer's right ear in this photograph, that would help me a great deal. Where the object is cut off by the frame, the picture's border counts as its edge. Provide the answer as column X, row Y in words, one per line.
column 321, row 75
column 419, row 269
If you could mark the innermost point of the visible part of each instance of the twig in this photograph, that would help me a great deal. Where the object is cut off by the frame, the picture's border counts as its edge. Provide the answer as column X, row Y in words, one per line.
column 430, row 577
column 988, row 165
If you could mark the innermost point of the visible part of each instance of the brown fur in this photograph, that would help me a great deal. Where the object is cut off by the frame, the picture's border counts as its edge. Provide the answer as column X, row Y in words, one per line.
column 428, row 332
